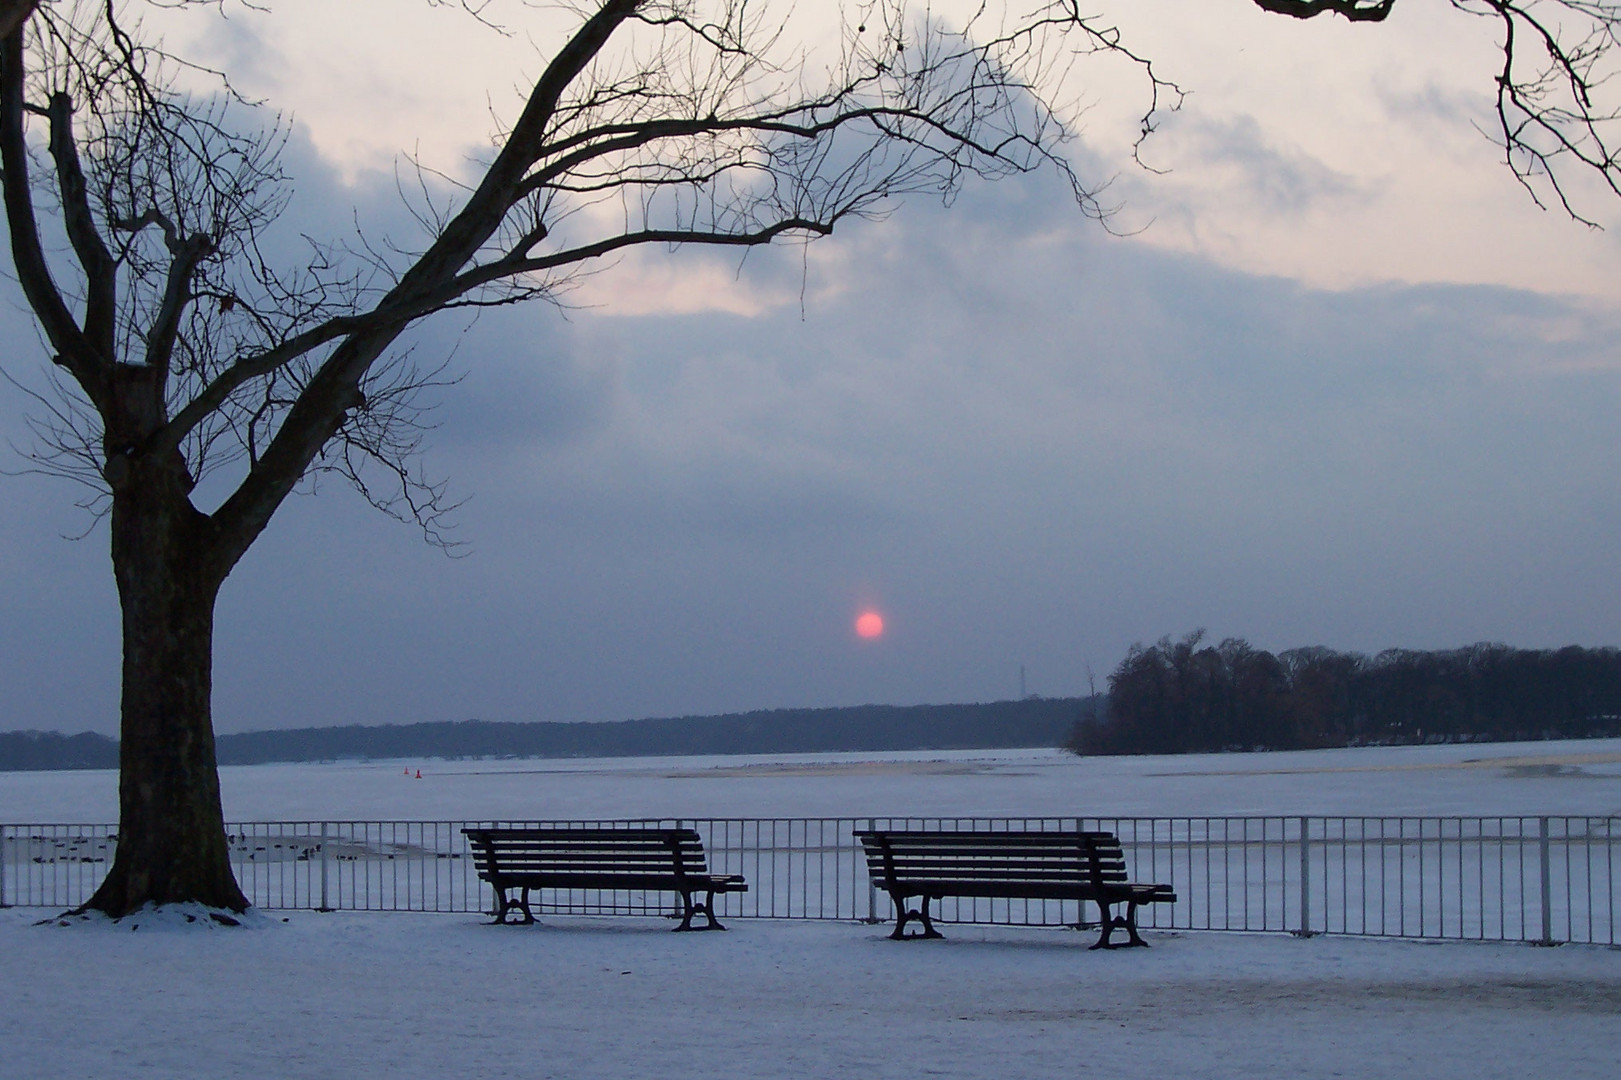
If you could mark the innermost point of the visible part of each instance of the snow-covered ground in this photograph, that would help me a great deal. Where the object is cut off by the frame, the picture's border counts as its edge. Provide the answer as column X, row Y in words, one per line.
column 401, row 996
column 418, row 996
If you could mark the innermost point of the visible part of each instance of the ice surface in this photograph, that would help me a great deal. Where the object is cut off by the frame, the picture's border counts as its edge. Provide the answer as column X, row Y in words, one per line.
column 1575, row 777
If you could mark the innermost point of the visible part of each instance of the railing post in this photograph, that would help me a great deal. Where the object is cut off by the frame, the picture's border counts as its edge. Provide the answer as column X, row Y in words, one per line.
column 1544, row 850
column 1305, row 879
column 324, row 906
column 3, row 863
column 872, row 889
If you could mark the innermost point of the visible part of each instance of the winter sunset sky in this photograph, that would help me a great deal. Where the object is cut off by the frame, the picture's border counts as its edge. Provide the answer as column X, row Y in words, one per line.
column 1333, row 378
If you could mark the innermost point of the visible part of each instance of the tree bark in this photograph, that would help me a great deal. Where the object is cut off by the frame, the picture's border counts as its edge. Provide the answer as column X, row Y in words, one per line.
column 171, row 840
column 13, row 13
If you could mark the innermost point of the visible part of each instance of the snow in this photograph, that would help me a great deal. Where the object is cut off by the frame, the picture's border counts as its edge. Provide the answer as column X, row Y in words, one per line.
column 406, row 996
column 400, row 996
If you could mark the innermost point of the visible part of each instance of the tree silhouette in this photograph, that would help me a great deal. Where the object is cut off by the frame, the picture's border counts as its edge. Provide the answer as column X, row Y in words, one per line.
column 183, row 348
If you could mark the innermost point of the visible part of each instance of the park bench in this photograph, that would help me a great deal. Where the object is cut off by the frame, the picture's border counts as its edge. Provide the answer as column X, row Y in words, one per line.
column 1010, row 865
column 648, row 860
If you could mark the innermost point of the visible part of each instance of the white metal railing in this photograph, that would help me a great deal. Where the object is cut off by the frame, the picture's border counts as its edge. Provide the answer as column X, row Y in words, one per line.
column 1544, row 879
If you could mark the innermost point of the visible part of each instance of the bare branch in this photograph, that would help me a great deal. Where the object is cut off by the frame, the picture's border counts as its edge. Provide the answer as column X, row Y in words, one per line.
column 1548, row 103
column 1354, row 10
column 1554, row 101
column 79, row 221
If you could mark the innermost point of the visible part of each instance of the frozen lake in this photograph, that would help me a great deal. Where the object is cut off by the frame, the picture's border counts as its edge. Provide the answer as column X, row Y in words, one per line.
column 1560, row 778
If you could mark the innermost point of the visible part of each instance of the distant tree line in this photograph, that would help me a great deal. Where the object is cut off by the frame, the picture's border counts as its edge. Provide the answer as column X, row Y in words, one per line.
column 1187, row 697
column 1031, row 722
column 27, row 751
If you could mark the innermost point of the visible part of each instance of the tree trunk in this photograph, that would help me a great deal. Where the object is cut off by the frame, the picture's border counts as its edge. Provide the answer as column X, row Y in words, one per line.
column 171, row 830
column 13, row 13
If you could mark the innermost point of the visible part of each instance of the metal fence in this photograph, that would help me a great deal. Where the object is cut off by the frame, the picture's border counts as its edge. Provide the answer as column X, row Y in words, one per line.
column 1540, row 879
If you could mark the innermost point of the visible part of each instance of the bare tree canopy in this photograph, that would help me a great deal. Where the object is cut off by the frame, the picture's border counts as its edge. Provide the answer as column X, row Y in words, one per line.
column 140, row 218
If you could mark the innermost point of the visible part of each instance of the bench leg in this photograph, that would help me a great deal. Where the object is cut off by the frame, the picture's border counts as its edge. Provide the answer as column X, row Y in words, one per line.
column 689, row 909
column 1113, row 922
column 1106, row 920
column 504, row 904
column 1131, row 926
column 904, row 915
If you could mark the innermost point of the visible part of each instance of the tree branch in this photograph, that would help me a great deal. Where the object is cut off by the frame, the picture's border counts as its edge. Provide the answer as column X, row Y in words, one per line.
column 1354, row 10
column 212, row 396
column 1552, row 114
column 314, row 418
column 100, row 271
column 496, row 271
column 90, row 368
column 321, row 408
column 185, row 254
column 491, row 200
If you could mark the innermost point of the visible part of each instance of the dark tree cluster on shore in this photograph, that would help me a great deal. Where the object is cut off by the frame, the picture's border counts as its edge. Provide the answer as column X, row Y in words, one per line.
column 1190, row 697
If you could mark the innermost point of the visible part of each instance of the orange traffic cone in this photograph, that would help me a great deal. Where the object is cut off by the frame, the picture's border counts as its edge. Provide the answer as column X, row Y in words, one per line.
column 419, row 774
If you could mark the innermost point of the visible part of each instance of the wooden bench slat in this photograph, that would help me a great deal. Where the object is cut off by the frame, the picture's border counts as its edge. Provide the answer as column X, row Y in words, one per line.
column 1008, row 841
column 602, row 870
column 1012, row 836
column 613, row 882
column 1029, row 890
column 1063, row 858
column 592, row 841
column 899, row 869
column 886, row 873
column 1026, row 855
column 658, row 858
column 587, row 845
column 531, row 832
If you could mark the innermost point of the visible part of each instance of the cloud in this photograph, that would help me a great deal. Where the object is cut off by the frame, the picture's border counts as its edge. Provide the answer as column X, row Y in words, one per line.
column 1282, row 180
column 664, row 282
column 1023, row 440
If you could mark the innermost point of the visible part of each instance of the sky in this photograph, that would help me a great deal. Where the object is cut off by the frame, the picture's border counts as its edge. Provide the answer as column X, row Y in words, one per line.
column 1333, row 378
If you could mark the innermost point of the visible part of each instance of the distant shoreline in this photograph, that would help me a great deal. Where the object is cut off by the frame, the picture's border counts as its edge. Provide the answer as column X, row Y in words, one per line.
column 1002, row 725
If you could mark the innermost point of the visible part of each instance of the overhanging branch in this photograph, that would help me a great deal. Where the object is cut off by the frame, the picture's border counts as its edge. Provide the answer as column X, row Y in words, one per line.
column 1354, row 10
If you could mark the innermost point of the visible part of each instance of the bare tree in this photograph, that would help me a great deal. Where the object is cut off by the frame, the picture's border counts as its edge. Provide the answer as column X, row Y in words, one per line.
column 181, row 347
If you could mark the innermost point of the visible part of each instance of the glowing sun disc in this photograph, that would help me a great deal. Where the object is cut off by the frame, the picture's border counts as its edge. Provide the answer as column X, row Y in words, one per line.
column 870, row 624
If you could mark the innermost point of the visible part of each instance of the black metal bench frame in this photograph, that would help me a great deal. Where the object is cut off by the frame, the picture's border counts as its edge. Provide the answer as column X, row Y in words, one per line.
column 651, row 860
column 1081, row 865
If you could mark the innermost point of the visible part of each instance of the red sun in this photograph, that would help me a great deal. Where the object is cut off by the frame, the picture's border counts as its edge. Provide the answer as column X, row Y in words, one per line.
column 870, row 624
